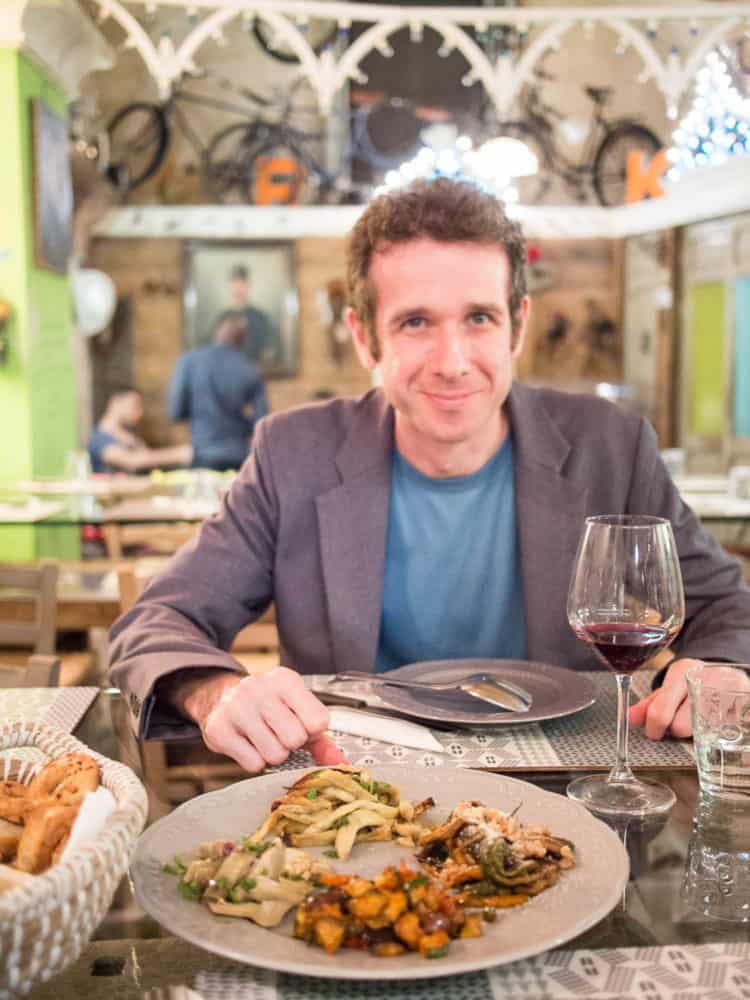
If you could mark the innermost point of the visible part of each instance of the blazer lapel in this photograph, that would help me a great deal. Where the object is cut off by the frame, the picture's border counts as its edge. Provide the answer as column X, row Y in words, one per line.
column 551, row 509
column 352, row 525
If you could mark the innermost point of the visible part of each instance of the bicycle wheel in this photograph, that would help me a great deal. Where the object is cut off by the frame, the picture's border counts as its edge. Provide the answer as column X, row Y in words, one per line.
column 226, row 162
column 611, row 160
column 386, row 134
column 319, row 34
column 138, row 140
column 532, row 189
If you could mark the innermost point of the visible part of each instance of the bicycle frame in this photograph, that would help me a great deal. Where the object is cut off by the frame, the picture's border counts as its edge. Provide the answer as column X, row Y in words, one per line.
column 573, row 173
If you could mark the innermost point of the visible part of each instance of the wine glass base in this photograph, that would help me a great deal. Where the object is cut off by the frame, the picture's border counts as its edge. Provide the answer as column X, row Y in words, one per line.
column 621, row 798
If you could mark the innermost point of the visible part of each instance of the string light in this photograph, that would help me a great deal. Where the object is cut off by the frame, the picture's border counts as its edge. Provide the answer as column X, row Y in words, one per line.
column 492, row 167
column 717, row 126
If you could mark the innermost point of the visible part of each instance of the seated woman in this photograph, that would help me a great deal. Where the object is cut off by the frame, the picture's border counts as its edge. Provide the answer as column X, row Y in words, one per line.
column 114, row 445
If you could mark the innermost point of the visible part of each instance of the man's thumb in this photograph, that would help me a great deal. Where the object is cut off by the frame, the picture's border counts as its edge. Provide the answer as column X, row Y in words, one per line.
column 325, row 751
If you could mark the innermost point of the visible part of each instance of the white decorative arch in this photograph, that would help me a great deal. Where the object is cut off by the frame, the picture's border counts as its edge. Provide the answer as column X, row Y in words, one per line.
column 328, row 73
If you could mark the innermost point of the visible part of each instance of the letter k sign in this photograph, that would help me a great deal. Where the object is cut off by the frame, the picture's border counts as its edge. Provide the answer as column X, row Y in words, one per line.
column 643, row 179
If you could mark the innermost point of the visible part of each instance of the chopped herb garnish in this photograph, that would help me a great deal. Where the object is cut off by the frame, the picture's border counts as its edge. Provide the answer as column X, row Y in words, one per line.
column 190, row 890
column 178, row 866
column 331, row 853
column 224, row 886
column 247, row 884
column 417, row 881
column 254, row 846
column 440, row 952
column 341, row 821
column 235, row 895
column 313, row 793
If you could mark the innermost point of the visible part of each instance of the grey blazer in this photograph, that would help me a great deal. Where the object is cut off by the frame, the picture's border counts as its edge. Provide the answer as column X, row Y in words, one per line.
column 304, row 525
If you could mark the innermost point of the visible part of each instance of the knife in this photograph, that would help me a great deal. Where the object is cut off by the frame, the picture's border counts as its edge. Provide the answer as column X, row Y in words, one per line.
column 355, row 722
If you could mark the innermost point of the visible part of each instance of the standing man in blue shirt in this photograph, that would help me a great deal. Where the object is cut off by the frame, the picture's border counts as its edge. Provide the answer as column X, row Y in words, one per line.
column 222, row 394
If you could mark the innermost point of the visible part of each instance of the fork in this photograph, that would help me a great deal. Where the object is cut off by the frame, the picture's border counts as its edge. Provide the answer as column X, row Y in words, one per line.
column 483, row 686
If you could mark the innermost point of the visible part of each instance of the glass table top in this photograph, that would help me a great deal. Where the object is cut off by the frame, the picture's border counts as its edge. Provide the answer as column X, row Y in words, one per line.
column 654, row 909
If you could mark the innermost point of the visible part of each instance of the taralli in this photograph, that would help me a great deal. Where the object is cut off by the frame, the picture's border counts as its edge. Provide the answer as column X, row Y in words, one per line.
column 14, row 801
column 45, row 827
column 36, row 819
column 60, row 770
column 10, row 834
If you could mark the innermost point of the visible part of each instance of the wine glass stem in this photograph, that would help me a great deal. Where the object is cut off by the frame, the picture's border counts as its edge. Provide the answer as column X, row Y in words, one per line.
column 621, row 771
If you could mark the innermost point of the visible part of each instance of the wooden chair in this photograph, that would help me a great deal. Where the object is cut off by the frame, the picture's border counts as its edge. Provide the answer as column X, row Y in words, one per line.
column 40, row 671
column 176, row 772
column 162, row 539
column 37, row 634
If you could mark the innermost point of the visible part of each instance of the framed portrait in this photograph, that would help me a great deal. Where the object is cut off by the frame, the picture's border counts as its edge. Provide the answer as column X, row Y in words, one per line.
column 255, row 280
column 53, row 189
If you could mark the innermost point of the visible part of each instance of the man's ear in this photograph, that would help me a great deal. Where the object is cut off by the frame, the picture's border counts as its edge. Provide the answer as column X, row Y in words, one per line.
column 361, row 340
column 523, row 322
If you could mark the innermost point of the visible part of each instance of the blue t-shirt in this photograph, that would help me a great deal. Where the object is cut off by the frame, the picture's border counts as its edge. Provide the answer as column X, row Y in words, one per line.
column 452, row 585
column 98, row 442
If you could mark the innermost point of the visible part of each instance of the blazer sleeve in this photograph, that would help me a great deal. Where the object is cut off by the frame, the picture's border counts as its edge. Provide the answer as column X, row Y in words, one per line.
column 189, row 615
column 717, row 601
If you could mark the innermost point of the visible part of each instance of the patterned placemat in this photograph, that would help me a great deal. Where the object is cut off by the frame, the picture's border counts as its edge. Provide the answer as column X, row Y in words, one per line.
column 684, row 972
column 60, row 707
column 583, row 741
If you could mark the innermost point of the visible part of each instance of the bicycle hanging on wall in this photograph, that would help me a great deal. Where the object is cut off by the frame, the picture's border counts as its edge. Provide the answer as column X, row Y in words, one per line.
column 262, row 158
column 602, row 164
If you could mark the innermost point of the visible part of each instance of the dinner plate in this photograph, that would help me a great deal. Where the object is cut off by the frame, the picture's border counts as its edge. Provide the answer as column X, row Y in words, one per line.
column 555, row 691
column 583, row 896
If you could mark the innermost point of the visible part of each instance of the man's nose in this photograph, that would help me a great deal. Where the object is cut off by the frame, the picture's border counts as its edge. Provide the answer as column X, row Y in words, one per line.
column 450, row 356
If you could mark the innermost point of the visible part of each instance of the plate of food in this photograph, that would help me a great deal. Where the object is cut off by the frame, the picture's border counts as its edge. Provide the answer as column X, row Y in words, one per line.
column 555, row 691
column 394, row 874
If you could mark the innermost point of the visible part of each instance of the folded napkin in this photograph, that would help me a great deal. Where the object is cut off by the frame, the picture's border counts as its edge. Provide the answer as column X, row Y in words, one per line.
column 354, row 722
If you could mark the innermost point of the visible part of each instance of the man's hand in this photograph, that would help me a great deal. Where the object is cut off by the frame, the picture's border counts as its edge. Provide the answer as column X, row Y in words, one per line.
column 259, row 720
column 666, row 711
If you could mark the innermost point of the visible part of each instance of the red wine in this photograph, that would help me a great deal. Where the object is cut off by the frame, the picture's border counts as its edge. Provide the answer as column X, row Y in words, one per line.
column 625, row 646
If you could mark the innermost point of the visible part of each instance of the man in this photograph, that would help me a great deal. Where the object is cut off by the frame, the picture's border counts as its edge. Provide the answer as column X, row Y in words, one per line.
column 261, row 343
column 436, row 516
column 114, row 445
column 221, row 393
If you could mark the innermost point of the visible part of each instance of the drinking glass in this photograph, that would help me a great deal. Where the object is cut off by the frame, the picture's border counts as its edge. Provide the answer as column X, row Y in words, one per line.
column 626, row 601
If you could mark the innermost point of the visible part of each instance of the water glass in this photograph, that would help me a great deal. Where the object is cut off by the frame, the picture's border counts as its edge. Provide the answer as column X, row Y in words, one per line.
column 717, row 871
column 720, row 707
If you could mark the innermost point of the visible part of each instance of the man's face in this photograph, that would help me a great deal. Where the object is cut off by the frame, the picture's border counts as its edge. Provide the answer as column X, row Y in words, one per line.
column 444, row 329
column 239, row 292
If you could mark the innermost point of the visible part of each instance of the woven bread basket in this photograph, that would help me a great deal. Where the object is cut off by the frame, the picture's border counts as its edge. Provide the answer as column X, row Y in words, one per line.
column 45, row 924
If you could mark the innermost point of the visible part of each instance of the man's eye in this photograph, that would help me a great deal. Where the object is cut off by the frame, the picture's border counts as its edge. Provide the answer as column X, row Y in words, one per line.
column 480, row 318
column 413, row 323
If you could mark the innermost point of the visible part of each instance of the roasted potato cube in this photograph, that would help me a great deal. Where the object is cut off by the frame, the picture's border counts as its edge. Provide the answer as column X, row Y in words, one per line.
column 408, row 929
column 358, row 887
column 329, row 933
column 396, row 905
column 388, row 949
column 388, row 880
column 472, row 926
column 429, row 941
column 370, row 905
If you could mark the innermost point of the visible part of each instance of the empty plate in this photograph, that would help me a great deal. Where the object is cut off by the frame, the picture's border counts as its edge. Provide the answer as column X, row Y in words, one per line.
column 556, row 691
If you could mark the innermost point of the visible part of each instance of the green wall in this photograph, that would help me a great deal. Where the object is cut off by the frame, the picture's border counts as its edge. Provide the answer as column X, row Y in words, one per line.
column 37, row 384
column 707, row 411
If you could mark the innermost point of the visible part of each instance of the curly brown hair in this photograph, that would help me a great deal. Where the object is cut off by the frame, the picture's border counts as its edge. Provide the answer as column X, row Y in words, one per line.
column 442, row 209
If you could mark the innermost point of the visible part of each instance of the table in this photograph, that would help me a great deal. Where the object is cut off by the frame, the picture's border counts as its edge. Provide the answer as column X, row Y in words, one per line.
column 131, row 953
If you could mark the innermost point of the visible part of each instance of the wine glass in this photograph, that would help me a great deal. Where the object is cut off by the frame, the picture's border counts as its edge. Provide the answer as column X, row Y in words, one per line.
column 626, row 601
